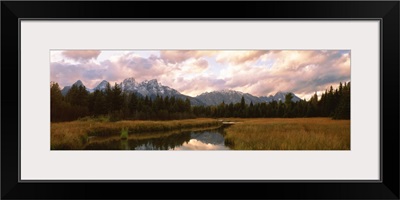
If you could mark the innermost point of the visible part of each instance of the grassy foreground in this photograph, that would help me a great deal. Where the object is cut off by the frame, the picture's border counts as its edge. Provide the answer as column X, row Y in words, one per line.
column 289, row 134
column 75, row 134
column 248, row 134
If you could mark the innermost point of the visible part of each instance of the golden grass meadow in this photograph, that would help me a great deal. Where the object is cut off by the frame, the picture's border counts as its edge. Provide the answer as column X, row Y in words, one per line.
column 289, row 134
column 75, row 134
column 244, row 134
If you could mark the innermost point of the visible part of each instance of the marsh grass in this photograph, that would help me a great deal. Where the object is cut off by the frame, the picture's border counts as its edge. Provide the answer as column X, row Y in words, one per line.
column 289, row 134
column 75, row 134
column 124, row 133
column 250, row 134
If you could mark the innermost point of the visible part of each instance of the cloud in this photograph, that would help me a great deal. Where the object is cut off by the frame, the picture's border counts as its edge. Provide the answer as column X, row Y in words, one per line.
column 223, row 56
column 315, row 71
column 179, row 56
column 131, row 65
column 192, row 67
column 194, row 144
column 239, row 57
column 94, row 74
column 260, row 73
column 198, row 85
column 201, row 64
column 175, row 56
column 301, row 72
column 64, row 73
column 81, row 55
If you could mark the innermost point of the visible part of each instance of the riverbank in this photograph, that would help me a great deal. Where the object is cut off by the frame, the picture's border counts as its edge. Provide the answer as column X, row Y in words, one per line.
column 75, row 134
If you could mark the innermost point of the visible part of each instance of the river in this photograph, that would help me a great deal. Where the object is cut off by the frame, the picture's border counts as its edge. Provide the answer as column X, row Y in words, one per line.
column 190, row 140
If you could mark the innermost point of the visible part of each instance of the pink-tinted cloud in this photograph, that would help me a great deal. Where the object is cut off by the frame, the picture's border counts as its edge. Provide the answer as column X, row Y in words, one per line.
column 226, row 56
column 301, row 72
column 260, row 73
column 194, row 144
column 201, row 64
column 239, row 57
column 81, row 55
column 198, row 85
column 179, row 56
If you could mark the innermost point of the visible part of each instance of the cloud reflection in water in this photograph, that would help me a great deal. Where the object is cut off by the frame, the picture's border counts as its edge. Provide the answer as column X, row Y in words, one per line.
column 194, row 144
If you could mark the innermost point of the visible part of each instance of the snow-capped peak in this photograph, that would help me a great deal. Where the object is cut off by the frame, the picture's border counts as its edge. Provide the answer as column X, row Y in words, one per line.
column 147, row 88
column 228, row 91
column 129, row 80
column 223, row 91
column 152, row 82
column 129, row 84
column 101, row 86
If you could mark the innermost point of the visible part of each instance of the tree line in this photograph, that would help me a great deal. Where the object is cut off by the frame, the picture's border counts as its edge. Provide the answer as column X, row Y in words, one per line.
column 118, row 105
column 333, row 103
column 114, row 103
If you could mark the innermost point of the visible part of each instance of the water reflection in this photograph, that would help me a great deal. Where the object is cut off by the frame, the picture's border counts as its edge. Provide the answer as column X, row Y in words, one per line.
column 205, row 140
column 194, row 144
column 198, row 140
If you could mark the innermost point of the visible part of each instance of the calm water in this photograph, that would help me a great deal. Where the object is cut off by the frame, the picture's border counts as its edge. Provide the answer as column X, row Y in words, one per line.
column 194, row 140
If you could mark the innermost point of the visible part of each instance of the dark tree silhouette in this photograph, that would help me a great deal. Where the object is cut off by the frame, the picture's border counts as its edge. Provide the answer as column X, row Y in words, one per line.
column 118, row 105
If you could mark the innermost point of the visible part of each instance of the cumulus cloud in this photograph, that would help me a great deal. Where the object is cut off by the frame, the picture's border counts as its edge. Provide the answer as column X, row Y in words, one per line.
column 239, row 57
column 179, row 56
column 81, row 55
column 64, row 73
column 301, row 72
column 192, row 67
column 176, row 56
column 198, row 85
column 260, row 73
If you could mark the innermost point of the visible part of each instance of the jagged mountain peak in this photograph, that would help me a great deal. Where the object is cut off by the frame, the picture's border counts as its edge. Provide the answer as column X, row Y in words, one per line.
column 153, row 88
column 279, row 96
column 152, row 82
column 231, row 91
column 227, row 96
column 223, row 91
column 131, row 79
column 101, row 86
column 78, row 83
column 103, row 82
column 149, row 88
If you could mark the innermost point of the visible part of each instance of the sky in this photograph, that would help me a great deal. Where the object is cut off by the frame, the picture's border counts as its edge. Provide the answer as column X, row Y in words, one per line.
column 192, row 72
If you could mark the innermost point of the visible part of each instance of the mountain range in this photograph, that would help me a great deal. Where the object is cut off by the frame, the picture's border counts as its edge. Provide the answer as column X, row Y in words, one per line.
column 152, row 88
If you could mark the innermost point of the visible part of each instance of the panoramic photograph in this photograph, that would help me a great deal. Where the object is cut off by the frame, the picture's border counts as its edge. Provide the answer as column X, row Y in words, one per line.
column 200, row 100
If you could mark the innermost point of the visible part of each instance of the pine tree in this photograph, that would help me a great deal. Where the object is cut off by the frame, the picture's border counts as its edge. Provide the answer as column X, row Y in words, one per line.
column 343, row 109
column 187, row 105
column 242, row 103
column 56, row 101
column 133, row 104
column 99, row 103
column 118, row 99
column 109, row 98
column 288, row 105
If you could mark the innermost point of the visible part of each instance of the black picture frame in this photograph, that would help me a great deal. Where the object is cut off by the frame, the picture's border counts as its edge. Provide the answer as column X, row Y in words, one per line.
column 386, row 11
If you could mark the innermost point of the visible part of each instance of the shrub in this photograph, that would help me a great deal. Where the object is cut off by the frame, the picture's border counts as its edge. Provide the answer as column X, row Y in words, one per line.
column 124, row 133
